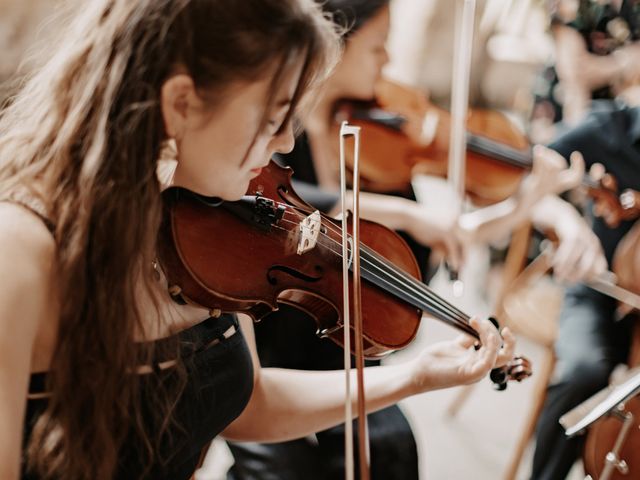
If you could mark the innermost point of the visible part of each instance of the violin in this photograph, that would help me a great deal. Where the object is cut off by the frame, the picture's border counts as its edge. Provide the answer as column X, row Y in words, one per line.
column 602, row 435
column 403, row 134
column 277, row 249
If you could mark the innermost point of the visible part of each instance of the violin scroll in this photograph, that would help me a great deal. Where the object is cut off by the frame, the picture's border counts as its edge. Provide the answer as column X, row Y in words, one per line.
column 517, row 369
column 611, row 206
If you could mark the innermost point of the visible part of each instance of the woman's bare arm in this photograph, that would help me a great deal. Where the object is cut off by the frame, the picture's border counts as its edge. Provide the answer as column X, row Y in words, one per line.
column 288, row 404
column 26, row 266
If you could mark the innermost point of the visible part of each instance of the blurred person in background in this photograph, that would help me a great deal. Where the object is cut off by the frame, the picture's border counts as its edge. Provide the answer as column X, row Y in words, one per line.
column 597, row 57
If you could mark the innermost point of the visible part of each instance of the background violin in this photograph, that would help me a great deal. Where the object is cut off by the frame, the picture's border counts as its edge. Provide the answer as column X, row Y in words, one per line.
column 272, row 247
column 403, row 133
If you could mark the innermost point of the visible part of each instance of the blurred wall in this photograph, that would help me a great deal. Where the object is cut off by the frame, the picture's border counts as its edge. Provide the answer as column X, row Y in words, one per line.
column 510, row 44
column 27, row 27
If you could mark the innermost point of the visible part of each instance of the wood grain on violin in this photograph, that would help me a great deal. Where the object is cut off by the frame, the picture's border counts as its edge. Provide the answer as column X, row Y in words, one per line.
column 403, row 133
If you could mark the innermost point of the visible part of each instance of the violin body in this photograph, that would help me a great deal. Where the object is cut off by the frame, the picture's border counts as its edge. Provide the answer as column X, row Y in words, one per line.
column 403, row 133
column 228, row 263
column 602, row 435
column 271, row 247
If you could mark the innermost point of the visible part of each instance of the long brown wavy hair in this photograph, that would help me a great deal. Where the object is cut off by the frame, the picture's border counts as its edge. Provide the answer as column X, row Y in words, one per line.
column 87, row 128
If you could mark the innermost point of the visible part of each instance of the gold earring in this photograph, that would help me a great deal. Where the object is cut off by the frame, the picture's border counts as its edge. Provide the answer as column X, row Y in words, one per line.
column 166, row 164
column 169, row 150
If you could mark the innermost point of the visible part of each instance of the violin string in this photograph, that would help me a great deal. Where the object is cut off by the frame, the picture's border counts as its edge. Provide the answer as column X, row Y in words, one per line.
column 414, row 299
column 424, row 303
column 435, row 304
column 406, row 276
column 504, row 153
column 393, row 271
column 399, row 272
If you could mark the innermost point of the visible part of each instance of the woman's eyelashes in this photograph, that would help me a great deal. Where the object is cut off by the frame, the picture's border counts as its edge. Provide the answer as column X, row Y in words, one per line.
column 275, row 125
column 276, row 121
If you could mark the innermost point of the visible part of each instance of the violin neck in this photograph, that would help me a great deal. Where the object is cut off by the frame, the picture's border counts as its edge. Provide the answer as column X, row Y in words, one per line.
column 385, row 275
column 498, row 151
column 510, row 156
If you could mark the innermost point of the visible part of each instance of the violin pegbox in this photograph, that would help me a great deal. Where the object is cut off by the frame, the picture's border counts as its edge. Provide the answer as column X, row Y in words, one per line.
column 309, row 231
column 517, row 369
column 630, row 202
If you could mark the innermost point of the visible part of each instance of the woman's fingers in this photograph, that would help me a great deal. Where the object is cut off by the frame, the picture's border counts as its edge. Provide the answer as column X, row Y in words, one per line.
column 572, row 177
column 466, row 341
column 579, row 259
column 566, row 257
column 507, row 352
column 454, row 252
column 489, row 339
column 591, row 264
column 550, row 168
column 497, row 348
column 545, row 159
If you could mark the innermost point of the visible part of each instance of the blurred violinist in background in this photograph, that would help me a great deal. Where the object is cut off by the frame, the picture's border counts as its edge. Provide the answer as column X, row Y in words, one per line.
column 597, row 57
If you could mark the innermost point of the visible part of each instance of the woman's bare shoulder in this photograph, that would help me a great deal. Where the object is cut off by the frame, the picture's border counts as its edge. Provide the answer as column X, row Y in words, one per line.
column 28, row 296
column 28, row 247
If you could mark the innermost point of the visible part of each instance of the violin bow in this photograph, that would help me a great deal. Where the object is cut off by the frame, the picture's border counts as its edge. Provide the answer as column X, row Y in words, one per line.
column 460, row 94
column 351, row 258
column 605, row 283
column 459, row 107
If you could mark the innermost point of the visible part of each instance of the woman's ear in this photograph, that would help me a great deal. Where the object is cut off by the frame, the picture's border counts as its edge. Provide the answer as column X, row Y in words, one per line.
column 176, row 97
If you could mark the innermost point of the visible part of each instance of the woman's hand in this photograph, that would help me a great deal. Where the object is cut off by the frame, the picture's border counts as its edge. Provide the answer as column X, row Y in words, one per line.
column 438, row 229
column 579, row 256
column 457, row 362
column 550, row 175
column 288, row 404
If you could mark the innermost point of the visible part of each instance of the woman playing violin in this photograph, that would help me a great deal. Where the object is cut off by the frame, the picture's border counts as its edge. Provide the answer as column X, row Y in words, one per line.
column 102, row 375
column 314, row 159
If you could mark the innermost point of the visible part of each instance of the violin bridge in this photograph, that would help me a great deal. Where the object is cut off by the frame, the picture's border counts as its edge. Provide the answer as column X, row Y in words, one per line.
column 309, row 232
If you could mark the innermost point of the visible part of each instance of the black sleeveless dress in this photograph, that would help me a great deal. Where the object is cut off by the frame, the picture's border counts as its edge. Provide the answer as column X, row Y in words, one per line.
column 219, row 384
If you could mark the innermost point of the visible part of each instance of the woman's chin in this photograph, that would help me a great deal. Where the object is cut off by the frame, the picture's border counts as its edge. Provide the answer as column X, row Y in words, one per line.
column 233, row 195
